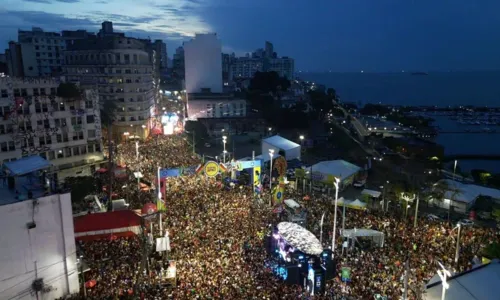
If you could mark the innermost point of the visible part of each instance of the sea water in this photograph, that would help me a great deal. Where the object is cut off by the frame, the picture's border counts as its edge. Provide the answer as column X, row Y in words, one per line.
column 440, row 89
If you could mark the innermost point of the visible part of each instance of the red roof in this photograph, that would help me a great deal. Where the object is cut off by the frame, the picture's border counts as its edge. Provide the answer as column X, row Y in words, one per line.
column 105, row 221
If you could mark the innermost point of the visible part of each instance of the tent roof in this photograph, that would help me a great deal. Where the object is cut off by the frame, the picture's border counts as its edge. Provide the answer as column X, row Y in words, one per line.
column 26, row 165
column 339, row 168
column 467, row 193
column 280, row 142
column 106, row 221
column 361, row 232
column 479, row 283
column 357, row 202
column 372, row 193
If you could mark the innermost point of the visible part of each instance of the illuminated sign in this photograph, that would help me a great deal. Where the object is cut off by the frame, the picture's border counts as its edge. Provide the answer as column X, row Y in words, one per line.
column 211, row 169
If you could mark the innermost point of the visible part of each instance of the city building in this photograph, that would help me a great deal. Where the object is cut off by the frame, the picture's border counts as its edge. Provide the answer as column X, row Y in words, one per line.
column 123, row 71
column 178, row 67
column 14, row 60
column 215, row 105
column 35, row 121
column 269, row 50
column 42, row 52
column 38, row 255
column 70, row 36
column 203, row 64
column 284, row 66
column 244, row 67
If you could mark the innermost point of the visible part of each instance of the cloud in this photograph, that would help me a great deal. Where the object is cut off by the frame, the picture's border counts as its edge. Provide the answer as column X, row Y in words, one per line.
column 68, row 1
column 39, row 1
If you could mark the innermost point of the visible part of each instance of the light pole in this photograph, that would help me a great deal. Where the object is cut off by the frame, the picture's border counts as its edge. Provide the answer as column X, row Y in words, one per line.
column 407, row 198
column 454, row 183
column 336, row 183
column 457, row 250
column 321, row 229
column 416, row 212
column 270, row 131
column 443, row 274
column 224, row 140
column 301, row 138
column 383, row 196
column 137, row 150
column 79, row 261
column 271, row 154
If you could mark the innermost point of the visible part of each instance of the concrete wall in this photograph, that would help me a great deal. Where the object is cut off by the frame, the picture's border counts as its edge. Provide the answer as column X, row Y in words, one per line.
column 47, row 251
column 203, row 63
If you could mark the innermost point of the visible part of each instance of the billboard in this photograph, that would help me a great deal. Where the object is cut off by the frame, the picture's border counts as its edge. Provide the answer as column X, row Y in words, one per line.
column 170, row 122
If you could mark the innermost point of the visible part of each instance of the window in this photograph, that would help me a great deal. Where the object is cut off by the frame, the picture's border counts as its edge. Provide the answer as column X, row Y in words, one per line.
column 91, row 134
column 60, row 154
column 36, row 92
column 42, row 92
column 24, row 92
column 53, row 91
column 38, row 108
column 12, row 146
column 31, row 142
column 67, row 152
column 41, row 141
column 3, row 147
column 117, row 58
column 48, row 140
column 2, row 129
column 17, row 93
column 76, row 150
column 46, row 124
column 59, row 138
column 76, row 121
column 4, row 93
column 52, row 155
column 89, row 104
column 90, row 148
column 77, row 135
column 90, row 119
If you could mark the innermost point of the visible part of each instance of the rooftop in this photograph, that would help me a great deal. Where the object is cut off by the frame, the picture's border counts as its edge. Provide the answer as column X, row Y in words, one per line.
column 339, row 168
column 467, row 193
column 22, row 180
column 280, row 142
column 211, row 96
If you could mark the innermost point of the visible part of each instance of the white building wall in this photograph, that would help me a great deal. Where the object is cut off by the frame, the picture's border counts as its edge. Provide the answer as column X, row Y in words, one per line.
column 203, row 63
column 216, row 109
column 47, row 251
column 21, row 133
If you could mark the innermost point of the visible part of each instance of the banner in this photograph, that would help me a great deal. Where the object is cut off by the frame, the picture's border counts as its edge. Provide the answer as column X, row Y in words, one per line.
column 278, row 191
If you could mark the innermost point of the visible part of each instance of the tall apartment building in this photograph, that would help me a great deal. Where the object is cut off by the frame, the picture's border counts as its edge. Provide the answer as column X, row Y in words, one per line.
column 14, row 60
column 42, row 52
column 284, row 66
column 122, row 70
column 70, row 36
column 178, row 68
column 244, row 67
column 262, row 60
column 35, row 121
column 203, row 63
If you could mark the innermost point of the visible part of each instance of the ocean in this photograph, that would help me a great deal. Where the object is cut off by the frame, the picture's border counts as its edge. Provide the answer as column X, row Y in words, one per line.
column 440, row 89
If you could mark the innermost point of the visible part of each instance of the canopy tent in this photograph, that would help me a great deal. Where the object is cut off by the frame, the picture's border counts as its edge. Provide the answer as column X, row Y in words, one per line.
column 376, row 236
column 371, row 193
column 25, row 165
column 327, row 171
column 102, row 225
column 300, row 238
column 279, row 144
column 356, row 204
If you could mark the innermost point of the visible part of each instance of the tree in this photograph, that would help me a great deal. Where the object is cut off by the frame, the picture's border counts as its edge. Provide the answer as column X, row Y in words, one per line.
column 320, row 102
column 68, row 90
column 80, row 188
column 196, row 127
column 492, row 250
column 268, row 82
column 496, row 214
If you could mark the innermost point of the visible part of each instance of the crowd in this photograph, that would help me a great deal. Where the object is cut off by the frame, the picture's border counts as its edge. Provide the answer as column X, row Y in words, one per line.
column 216, row 238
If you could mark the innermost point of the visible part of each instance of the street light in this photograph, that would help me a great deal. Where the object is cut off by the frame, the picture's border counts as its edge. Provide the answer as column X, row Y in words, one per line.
column 336, row 183
column 407, row 198
column 137, row 150
column 270, row 130
column 457, row 251
column 271, row 154
column 224, row 140
column 443, row 274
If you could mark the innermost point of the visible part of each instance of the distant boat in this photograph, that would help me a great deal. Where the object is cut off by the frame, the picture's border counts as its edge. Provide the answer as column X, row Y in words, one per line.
column 419, row 73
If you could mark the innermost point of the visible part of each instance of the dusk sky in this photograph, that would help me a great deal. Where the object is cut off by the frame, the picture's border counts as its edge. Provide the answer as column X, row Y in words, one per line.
column 337, row 35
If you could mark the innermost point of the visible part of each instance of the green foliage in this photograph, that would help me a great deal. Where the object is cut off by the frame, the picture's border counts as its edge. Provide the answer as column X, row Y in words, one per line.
column 321, row 102
column 108, row 111
column 496, row 214
column 268, row 82
column 200, row 131
column 68, row 90
column 80, row 188
column 492, row 251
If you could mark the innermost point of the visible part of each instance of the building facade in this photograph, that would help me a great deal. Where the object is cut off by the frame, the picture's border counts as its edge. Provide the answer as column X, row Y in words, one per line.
column 35, row 121
column 42, row 52
column 203, row 64
column 209, row 105
column 178, row 67
column 14, row 60
column 122, row 70
column 244, row 67
column 38, row 245
column 284, row 66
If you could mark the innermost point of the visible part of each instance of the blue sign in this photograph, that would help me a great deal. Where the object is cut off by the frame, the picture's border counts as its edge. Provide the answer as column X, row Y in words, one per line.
column 170, row 173
column 278, row 195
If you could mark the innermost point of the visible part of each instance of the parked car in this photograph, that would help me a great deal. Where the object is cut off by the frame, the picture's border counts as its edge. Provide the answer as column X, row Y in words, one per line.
column 466, row 222
column 432, row 217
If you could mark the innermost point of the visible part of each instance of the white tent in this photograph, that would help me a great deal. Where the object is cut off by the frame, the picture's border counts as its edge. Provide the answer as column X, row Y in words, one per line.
column 326, row 171
column 376, row 236
column 357, row 204
column 290, row 149
column 371, row 193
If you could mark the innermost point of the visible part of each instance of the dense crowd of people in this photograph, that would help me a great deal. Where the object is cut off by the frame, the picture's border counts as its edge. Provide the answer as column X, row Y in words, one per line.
column 216, row 237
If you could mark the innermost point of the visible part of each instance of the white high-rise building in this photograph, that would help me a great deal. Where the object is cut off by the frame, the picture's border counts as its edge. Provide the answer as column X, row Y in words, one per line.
column 42, row 52
column 35, row 121
column 203, row 64
column 38, row 255
column 123, row 71
column 245, row 67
